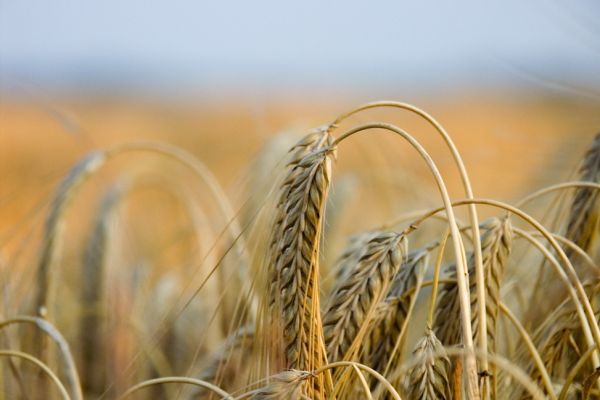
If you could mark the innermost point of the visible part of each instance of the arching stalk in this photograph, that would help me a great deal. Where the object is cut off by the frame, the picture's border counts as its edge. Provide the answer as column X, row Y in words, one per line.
column 461, row 270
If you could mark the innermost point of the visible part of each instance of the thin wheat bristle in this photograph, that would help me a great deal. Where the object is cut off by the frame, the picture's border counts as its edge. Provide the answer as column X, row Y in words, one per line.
column 294, row 248
column 355, row 299
column 429, row 379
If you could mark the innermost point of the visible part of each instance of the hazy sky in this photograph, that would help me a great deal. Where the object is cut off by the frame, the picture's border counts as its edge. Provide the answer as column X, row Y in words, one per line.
column 304, row 42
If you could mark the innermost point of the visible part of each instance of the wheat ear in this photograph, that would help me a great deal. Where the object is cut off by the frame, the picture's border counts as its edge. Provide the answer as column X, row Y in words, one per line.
column 584, row 216
column 429, row 379
column 293, row 253
column 354, row 301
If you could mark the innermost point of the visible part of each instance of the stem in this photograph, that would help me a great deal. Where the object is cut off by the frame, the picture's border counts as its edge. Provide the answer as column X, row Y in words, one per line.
column 436, row 279
column 554, row 188
column 531, row 347
column 474, row 220
column 461, row 270
column 44, row 368
column 176, row 379
column 371, row 371
column 63, row 346
column 570, row 271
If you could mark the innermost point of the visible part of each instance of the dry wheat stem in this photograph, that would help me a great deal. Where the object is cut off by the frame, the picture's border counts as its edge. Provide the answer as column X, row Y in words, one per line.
column 473, row 218
column 287, row 384
column 462, row 273
column 585, row 323
column 569, row 244
column 380, row 378
column 574, row 371
column 554, row 188
column 63, row 347
column 569, row 277
column 45, row 369
column 532, row 350
column 436, row 279
column 178, row 380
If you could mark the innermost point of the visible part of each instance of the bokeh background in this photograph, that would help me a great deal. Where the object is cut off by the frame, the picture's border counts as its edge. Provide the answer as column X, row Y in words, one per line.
column 515, row 83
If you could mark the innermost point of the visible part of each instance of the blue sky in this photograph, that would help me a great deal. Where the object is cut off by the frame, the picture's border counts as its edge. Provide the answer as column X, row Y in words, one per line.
column 268, row 42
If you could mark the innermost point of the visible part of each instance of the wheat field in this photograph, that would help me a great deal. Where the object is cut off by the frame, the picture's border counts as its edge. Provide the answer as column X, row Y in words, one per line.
column 301, row 251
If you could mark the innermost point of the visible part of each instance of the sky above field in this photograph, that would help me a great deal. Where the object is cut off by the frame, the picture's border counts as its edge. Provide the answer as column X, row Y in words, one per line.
column 270, row 43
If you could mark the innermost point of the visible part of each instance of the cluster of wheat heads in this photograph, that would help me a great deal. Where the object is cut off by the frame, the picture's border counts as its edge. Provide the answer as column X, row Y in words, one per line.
column 503, row 308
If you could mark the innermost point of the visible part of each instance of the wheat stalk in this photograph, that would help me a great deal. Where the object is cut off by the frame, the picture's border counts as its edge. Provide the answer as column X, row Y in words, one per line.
column 285, row 385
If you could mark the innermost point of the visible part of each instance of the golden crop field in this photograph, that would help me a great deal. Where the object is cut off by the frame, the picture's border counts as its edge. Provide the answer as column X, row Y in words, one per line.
column 292, row 249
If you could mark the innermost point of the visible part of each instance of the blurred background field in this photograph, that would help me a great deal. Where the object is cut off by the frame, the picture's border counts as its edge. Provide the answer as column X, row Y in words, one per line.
column 516, row 85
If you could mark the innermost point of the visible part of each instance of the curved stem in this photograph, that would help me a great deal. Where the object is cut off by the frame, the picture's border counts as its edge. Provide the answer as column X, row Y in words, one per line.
column 566, row 185
column 461, row 270
column 573, row 373
column 42, row 366
column 534, row 353
column 436, row 279
column 500, row 362
column 474, row 220
column 63, row 346
column 579, row 296
column 573, row 246
column 365, row 368
column 176, row 379
column 581, row 313
column 363, row 382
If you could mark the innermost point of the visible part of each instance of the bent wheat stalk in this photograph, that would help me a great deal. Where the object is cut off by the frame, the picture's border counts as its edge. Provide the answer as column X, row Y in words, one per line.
column 461, row 270
column 473, row 218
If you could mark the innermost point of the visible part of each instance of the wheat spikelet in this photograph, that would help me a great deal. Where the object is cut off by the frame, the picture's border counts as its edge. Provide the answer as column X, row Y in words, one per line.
column 64, row 194
column 294, row 251
column 285, row 385
column 92, row 348
column 392, row 312
column 582, row 227
column 355, row 299
column 347, row 261
column 237, row 346
column 429, row 379
column 496, row 242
